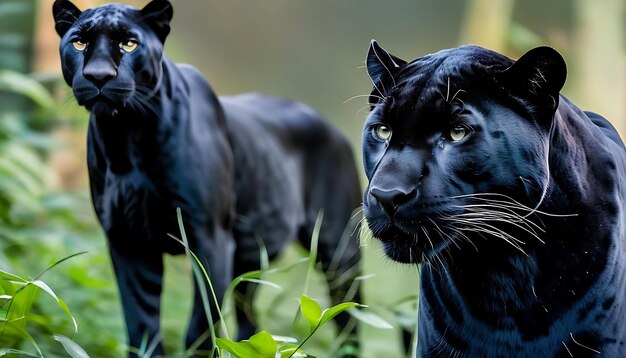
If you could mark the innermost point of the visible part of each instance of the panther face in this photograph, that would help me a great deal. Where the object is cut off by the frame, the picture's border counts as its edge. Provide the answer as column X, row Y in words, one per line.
column 455, row 145
column 112, row 54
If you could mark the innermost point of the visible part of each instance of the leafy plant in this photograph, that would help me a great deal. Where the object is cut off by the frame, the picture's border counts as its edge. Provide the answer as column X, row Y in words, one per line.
column 17, row 296
column 264, row 345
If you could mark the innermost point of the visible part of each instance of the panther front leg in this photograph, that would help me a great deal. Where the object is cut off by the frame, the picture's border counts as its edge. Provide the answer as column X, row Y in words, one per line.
column 139, row 273
column 215, row 252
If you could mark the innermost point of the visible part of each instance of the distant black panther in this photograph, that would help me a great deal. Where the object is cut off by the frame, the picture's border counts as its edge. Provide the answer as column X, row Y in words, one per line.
column 238, row 167
column 511, row 196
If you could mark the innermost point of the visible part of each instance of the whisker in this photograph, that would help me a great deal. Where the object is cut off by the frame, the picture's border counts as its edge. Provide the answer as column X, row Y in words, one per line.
column 364, row 95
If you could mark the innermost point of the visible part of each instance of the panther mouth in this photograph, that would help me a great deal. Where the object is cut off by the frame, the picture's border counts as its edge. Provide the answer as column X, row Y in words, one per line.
column 410, row 242
column 86, row 96
column 89, row 97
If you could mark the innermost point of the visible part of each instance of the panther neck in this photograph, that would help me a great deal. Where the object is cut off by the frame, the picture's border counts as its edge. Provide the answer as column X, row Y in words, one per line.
column 500, row 289
column 132, row 134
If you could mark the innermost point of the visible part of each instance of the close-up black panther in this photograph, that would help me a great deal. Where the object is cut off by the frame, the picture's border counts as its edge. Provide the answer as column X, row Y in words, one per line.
column 241, row 169
column 510, row 197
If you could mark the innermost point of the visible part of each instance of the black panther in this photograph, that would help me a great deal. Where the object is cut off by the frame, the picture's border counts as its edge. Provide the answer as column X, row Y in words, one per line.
column 510, row 197
column 239, row 168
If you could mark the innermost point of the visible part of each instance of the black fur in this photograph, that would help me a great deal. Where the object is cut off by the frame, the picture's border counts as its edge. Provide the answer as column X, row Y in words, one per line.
column 239, row 168
column 511, row 197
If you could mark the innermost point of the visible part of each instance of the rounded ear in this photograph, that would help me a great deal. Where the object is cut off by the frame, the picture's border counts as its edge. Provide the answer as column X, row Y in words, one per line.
column 158, row 14
column 539, row 75
column 381, row 67
column 65, row 15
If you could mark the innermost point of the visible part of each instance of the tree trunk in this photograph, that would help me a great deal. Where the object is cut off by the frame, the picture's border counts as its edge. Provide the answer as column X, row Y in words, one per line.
column 599, row 73
column 486, row 23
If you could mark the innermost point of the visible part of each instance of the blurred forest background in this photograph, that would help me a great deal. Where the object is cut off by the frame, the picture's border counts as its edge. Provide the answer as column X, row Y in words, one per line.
column 312, row 51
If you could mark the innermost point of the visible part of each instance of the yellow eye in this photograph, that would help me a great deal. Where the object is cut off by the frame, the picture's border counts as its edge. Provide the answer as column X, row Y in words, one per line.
column 128, row 46
column 457, row 133
column 382, row 132
column 79, row 45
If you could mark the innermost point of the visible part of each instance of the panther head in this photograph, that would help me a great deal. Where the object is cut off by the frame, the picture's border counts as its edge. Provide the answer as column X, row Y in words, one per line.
column 456, row 144
column 112, row 54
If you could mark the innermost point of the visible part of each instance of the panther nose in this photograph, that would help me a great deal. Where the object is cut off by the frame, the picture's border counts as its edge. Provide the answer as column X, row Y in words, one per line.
column 390, row 200
column 99, row 74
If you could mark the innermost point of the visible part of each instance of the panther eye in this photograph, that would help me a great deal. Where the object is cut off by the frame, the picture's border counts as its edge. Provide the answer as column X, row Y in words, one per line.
column 79, row 45
column 458, row 132
column 382, row 132
column 128, row 46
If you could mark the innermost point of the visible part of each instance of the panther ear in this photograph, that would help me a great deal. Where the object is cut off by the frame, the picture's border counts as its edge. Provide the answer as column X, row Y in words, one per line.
column 158, row 14
column 381, row 67
column 539, row 73
column 65, row 15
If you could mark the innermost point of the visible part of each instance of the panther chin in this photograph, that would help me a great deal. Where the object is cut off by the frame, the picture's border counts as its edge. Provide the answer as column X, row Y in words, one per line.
column 104, row 100
column 404, row 245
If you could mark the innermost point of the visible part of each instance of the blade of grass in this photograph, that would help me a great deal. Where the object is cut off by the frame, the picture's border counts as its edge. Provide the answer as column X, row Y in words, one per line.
column 313, row 249
column 312, row 258
column 204, row 272
column 30, row 339
column 414, row 338
column 42, row 285
column 195, row 263
column 25, row 284
column 9, row 276
column 246, row 277
column 4, row 352
column 370, row 318
column 58, row 263
column 264, row 257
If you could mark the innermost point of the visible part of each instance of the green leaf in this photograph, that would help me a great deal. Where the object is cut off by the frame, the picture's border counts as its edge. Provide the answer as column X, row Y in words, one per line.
column 264, row 257
column 263, row 282
column 72, row 348
column 66, row 309
column 239, row 350
column 233, row 284
column 364, row 277
column 291, row 350
column 330, row 313
column 9, row 276
column 24, row 85
column 370, row 318
column 264, row 345
column 284, row 339
column 46, row 288
column 61, row 303
column 311, row 310
column 8, row 352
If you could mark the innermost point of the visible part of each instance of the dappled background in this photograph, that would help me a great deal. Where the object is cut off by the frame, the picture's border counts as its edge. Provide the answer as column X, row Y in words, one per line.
column 312, row 51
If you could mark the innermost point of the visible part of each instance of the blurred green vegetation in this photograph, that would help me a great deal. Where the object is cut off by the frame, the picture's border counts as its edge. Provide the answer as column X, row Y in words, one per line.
column 311, row 51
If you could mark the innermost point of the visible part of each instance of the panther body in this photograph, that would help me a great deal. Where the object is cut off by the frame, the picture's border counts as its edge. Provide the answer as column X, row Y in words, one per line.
column 511, row 197
column 240, row 169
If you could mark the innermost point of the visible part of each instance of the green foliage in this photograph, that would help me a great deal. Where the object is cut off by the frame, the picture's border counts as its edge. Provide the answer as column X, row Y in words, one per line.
column 37, row 223
column 73, row 349
column 16, row 30
column 18, row 294
column 264, row 345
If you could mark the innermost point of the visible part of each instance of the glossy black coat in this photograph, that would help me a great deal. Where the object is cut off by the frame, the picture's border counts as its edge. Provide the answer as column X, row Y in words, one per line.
column 519, row 222
column 240, row 168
